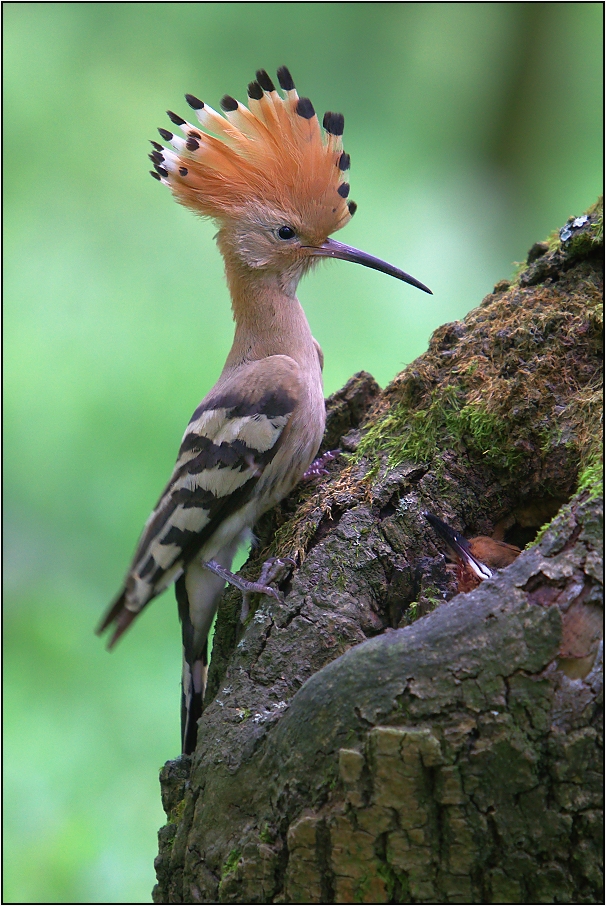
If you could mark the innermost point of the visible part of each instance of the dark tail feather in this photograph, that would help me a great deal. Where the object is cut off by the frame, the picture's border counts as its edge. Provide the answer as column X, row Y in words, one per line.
column 189, row 723
column 118, row 614
column 193, row 676
column 455, row 540
column 111, row 613
column 459, row 546
column 191, row 706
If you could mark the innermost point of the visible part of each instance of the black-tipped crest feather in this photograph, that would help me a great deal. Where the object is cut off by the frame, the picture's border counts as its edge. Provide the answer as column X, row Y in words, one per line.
column 264, row 80
column 305, row 108
column 285, row 79
column 228, row 103
column 334, row 123
column 255, row 91
column 175, row 118
column 194, row 102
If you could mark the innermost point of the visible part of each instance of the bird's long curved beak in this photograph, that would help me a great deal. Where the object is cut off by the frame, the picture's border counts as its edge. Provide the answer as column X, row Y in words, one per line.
column 333, row 249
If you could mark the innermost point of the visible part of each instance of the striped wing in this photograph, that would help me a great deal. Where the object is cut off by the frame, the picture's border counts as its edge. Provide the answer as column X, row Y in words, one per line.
column 231, row 438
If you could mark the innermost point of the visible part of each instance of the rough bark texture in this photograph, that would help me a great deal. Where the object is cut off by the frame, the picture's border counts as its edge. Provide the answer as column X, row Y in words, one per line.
column 377, row 738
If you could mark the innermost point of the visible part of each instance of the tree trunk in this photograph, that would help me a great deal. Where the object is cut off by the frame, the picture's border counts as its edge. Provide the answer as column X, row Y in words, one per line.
column 377, row 738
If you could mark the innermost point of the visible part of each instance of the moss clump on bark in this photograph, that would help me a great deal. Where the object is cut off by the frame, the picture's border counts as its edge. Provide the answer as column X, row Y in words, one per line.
column 520, row 379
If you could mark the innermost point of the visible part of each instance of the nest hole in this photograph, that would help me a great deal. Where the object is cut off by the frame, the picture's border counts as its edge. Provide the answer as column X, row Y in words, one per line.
column 522, row 525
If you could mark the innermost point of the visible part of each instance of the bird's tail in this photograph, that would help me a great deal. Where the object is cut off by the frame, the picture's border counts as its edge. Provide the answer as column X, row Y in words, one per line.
column 193, row 686
column 459, row 546
column 195, row 662
column 119, row 617
column 198, row 591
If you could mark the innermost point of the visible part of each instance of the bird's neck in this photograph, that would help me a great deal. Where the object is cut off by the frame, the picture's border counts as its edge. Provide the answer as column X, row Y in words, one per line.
column 269, row 318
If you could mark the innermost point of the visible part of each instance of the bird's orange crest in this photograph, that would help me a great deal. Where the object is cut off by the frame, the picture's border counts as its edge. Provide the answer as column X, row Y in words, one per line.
column 272, row 153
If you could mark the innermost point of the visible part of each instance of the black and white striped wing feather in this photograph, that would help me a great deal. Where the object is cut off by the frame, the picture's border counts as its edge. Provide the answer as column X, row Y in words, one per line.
column 231, row 440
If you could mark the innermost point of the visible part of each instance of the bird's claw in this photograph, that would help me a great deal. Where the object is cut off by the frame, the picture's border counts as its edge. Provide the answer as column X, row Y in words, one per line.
column 317, row 467
column 276, row 569
column 273, row 571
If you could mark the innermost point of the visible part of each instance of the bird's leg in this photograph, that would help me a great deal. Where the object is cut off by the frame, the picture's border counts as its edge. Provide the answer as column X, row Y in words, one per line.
column 273, row 570
column 317, row 466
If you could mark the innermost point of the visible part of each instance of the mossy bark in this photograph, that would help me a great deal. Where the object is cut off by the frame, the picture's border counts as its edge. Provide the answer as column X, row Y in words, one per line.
column 377, row 738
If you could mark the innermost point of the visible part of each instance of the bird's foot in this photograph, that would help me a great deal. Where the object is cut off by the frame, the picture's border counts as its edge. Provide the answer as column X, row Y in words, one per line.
column 273, row 570
column 276, row 569
column 317, row 467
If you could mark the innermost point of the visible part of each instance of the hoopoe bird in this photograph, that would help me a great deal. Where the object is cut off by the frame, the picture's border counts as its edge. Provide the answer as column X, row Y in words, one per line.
column 275, row 184
column 476, row 558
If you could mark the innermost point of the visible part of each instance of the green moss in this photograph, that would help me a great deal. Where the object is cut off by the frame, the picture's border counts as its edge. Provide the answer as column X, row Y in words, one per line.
column 266, row 836
column 591, row 479
column 553, row 242
column 592, row 236
column 590, row 483
column 408, row 435
column 176, row 813
column 520, row 266
column 447, row 423
column 392, row 880
column 513, row 382
column 485, row 434
column 362, row 888
column 432, row 600
column 583, row 242
column 412, row 612
column 231, row 863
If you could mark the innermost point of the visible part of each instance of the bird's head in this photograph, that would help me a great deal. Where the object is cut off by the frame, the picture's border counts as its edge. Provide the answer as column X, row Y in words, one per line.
column 273, row 180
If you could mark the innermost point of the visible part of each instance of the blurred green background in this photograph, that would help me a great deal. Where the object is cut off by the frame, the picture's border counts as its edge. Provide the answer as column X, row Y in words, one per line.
column 474, row 130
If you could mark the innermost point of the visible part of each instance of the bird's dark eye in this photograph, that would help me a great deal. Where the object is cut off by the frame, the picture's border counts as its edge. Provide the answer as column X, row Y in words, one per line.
column 286, row 232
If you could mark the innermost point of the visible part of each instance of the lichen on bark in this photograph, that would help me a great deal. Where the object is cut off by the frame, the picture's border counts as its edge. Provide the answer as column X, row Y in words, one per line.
column 352, row 752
